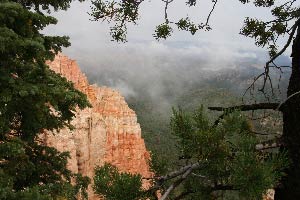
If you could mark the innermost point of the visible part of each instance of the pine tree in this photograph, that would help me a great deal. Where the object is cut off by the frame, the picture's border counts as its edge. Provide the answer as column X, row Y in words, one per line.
column 114, row 185
column 217, row 161
column 34, row 99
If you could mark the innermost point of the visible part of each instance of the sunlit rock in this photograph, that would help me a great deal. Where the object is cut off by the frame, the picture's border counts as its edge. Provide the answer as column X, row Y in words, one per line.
column 107, row 132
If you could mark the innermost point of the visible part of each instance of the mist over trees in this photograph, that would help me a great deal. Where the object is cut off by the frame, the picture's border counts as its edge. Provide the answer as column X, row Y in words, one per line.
column 218, row 157
column 285, row 21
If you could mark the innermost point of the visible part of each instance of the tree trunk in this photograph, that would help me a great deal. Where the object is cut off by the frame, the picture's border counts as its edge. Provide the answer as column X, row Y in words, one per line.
column 290, row 184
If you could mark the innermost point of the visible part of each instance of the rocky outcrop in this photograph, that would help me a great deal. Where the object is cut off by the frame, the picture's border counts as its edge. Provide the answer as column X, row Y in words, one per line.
column 107, row 132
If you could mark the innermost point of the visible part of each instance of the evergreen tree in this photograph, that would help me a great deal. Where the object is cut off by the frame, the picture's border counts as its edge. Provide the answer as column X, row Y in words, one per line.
column 115, row 185
column 34, row 99
column 215, row 159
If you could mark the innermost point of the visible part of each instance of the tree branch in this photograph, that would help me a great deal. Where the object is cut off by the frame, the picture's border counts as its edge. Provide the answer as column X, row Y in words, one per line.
column 267, row 66
column 211, row 11
column 179, row 172
column 176, row 183
column 270, row 144
column 294, row 28
column 251, row 107
column 258, row 133
column 160, row 180
column 259, row 106
column 166, row 9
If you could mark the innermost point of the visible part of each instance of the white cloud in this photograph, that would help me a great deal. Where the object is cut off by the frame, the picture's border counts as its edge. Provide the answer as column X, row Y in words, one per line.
column 145, row 60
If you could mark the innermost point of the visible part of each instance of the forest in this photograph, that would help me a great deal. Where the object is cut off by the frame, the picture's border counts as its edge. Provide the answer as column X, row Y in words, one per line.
column 213, row 134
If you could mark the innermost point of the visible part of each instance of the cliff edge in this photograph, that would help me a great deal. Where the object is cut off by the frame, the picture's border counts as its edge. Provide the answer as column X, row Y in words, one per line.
column 107, row 132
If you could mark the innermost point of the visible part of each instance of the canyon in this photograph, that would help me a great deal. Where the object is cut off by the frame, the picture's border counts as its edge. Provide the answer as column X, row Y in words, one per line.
column 107, row 132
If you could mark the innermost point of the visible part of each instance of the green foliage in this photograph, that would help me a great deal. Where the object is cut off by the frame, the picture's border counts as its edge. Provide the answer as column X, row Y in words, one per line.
column 266, row 33
column 33, row 99
column 237, row 147
column 29, row 89
column 39, row 169
column 158, row 164
column 232, row 166
column 154, row 121
column 115, row 185
column 124, row 12
column 162, row 31
column 261, row 3
column 229, row 153
column 119, row 11
column 187, row 25
column 191, row 2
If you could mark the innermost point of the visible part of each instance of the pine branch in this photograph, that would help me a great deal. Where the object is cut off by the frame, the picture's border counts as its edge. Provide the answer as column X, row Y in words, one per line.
column 223, row 187
column 183, row 194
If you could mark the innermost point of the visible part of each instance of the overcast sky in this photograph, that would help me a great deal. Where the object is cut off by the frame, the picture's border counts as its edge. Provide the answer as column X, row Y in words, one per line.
column 222, row 47
column 226, row 22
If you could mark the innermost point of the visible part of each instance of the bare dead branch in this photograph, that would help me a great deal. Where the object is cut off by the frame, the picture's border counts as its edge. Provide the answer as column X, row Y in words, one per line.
column 179, row 172
column 211, row 11
column 259, row 106
column 253, row 83
column 270, row 144
column 161, row 180
column 257, row 133
column 176, row 184
column 199, row 175
column 166, row 9
column 251, row 107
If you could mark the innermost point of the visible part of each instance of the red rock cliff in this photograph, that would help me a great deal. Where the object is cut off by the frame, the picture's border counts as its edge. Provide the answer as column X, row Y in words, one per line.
column 107, row 132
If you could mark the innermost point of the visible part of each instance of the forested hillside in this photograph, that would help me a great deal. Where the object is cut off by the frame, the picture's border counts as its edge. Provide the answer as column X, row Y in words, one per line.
column 220, row 117
column 153, row 102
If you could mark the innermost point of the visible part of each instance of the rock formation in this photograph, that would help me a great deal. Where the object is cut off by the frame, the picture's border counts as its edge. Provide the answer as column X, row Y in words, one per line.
column 107, row 132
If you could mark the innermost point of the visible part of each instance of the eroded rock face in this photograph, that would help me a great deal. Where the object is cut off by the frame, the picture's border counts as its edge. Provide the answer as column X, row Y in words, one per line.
column 107, row 132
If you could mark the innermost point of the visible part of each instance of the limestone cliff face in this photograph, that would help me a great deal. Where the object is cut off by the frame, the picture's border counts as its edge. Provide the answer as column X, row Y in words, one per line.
column 107, row 132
